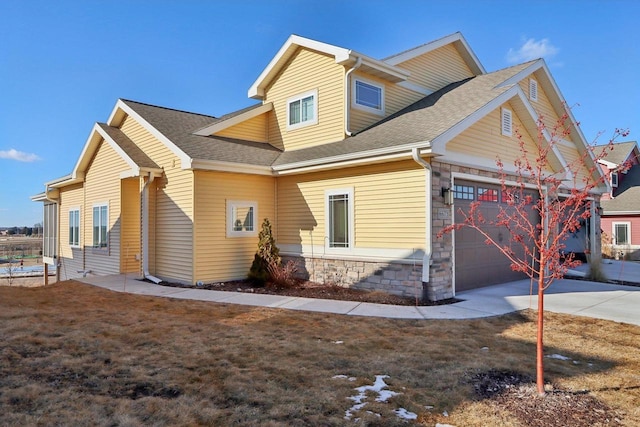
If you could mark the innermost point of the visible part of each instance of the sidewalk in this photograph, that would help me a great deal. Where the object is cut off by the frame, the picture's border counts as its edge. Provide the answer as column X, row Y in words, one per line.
column 576, row 297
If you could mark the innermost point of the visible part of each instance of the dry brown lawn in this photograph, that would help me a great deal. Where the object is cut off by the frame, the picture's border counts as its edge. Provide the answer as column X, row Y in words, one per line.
column 72, row 354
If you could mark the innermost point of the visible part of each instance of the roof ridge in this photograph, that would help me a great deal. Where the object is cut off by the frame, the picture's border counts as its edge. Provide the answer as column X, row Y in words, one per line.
column 419, row 46
column 167, row 108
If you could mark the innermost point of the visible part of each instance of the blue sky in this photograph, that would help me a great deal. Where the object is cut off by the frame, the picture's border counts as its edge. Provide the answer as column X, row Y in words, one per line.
column 63, row 64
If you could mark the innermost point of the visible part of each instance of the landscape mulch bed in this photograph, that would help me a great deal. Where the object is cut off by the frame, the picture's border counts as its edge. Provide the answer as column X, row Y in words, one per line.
column 307, row 289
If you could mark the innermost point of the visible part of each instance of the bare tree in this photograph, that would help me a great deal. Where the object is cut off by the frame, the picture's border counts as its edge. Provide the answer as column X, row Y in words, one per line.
column 562, row 202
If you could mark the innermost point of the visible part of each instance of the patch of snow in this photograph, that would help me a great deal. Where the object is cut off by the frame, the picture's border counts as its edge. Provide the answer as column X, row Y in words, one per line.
column 444, row 425
column 339, row 376
column 405, row 415
column 485, row 349
column 558, row 357
column 379, row 386
column 445, row 413
column 338, row 342
column 428, row 407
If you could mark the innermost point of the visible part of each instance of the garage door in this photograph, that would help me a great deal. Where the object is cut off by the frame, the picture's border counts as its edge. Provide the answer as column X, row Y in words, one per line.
column 476, row 263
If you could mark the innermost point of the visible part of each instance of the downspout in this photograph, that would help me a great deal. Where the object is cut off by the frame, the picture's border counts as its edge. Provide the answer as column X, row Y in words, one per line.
column 426, row 259
column 347, row 104
column 145, row 230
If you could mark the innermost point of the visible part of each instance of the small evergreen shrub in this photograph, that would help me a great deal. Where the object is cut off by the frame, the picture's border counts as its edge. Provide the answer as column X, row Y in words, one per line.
column 267, row 255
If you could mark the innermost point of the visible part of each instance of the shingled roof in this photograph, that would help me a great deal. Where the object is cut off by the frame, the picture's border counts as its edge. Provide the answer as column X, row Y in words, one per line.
column 178, row 126
column 627, row 197
column 422, row 121
column 620, row 152
column 129, row 147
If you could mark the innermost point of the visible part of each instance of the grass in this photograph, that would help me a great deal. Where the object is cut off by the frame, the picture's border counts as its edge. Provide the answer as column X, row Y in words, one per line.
column 72, row 354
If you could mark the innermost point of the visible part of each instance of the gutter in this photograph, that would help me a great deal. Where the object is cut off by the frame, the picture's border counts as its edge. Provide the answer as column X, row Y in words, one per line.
column 145, row 230
column 428, row 242
column 347, row 103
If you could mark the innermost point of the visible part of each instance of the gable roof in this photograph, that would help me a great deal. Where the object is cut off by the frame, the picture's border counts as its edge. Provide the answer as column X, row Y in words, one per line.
column 176, row 129
column 341, row 56
column 620, row 152
column 627, row 199
column 459, row 42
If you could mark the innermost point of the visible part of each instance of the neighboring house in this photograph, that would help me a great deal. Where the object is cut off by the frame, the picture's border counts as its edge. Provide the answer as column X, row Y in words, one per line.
column 357, row 162
column 621, row 207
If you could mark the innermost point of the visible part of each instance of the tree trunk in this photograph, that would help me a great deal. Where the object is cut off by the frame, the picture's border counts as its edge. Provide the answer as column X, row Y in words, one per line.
column 539, row 344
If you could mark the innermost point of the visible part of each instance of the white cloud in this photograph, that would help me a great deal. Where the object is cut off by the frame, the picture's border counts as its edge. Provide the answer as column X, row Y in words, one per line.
column 532, row 49
column 20, row 156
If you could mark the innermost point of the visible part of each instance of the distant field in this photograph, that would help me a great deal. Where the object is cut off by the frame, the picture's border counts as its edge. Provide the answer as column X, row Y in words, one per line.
column 20, row 247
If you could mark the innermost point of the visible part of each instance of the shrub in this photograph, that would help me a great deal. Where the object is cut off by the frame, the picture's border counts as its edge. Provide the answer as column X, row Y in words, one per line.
column 283, row 275
column 595, row 273
column 267, row 255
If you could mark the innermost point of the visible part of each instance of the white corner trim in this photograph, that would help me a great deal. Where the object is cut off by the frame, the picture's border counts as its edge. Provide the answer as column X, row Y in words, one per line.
column 247, row 115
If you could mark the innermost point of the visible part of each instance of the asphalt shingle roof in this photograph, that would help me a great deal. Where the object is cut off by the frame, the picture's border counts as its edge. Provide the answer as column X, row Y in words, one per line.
column 129, row 147
column 620, row 152
column 627, row 195
column 422, row 121
column 178, row 127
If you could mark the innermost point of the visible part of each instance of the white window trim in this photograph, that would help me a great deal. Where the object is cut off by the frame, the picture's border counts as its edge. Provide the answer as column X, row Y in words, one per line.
column 106, row 247
column 613, row 232
column 300, row 97
column 77, row 245
column 505, row 112
column 354, row 102
column 533, row 90
column 231, row 204
column 351, row 228
column 614, row 177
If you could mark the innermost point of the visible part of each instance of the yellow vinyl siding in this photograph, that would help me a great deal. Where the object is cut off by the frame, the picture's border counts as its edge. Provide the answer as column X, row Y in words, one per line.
column 102, row 186
column 254, row 129
column 484, row 139
column 220, row 257
column 389, row 201
column 395, row 99
column 130, row 226
column 72, row 259
column 438, row 68
column 307, row 70
column 171, row 208
column 542, row 106
column 576, row 163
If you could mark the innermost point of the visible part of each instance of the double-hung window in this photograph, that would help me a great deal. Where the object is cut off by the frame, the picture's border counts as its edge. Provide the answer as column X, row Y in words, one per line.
column 621, row 233
column 241, row 218
column 100, row 221
column 74, row 227
column 368, row 96
column 302, row 110
column 339, row 218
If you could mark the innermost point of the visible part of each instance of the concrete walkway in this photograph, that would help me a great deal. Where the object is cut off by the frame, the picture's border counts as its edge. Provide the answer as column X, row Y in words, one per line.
column 576, row 297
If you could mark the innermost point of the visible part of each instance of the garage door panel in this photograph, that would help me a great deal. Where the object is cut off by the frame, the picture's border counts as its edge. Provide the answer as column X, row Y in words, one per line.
column 476, row 263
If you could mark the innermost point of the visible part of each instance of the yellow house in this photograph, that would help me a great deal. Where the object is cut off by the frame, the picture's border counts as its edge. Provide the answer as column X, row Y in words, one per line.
column 351, row 158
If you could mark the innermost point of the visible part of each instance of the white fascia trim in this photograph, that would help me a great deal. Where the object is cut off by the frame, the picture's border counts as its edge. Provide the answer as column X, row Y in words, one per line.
column 213, row 165
column 116, row 147
column 428, row 47
column 219, row 126
column 415, row 88
column 340, row 54
column 120, row 105
column 608, row 164
column 399, row 256
column 361, row 157
column 618, row 213
column 439, row 142
column 391, row 73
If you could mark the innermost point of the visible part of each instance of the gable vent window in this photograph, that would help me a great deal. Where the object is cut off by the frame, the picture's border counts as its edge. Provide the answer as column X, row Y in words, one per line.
column 533, row 90
column 614, row 179
column 368, row 96
column 302, row 110
column 507, row 122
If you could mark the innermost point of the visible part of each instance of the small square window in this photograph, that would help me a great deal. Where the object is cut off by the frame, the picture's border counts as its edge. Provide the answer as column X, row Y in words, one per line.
column 368, row 96
column 302, row 110
column 463, row 192
column 487, row 195
column 241, row 218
